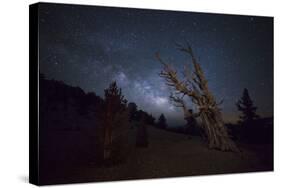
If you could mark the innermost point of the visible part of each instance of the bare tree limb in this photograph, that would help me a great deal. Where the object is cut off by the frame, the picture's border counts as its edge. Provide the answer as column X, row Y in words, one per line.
column 197, row 89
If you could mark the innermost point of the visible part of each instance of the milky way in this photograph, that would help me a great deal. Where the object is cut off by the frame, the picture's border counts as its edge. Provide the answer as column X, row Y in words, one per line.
column 89, row 47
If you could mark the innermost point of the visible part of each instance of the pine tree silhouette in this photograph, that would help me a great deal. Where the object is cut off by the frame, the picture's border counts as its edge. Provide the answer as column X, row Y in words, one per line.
column 246, row 106
column 115, row 118
column 162, row 122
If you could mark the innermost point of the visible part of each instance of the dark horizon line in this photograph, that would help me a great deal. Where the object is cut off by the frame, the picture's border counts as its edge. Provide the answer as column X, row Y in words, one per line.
column 229, row 121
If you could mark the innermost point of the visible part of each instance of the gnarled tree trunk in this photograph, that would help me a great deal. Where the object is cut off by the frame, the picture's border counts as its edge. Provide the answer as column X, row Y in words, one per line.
column 196, row 87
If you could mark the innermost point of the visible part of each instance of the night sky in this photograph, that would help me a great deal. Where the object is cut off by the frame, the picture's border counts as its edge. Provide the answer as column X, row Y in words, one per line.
column 90, row 46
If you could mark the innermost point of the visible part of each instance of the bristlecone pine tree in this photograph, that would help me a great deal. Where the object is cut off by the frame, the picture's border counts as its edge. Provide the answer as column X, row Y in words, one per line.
column 115, row 119
column 195, row 86
column 246, row 106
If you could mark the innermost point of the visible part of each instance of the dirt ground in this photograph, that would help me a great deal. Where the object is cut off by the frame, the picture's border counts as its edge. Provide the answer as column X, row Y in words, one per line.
column 170, row 155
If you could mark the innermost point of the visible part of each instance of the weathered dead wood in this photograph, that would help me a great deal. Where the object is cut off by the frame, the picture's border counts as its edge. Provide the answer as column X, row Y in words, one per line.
column 196, row 87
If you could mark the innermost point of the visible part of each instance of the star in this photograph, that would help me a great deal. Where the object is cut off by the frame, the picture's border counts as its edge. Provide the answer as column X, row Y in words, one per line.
column 104, row 45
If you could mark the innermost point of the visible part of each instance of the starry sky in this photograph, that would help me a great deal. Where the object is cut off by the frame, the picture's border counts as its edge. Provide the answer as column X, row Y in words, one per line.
column 90, row 46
